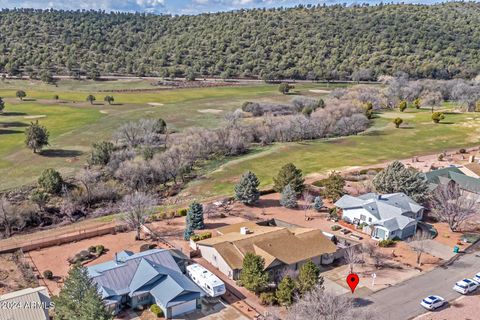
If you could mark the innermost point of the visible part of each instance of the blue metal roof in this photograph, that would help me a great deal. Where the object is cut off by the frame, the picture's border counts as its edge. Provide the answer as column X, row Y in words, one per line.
column 153, row 271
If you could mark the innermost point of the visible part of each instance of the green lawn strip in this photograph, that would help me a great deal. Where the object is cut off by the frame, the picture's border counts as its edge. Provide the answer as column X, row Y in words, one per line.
column 380, row 144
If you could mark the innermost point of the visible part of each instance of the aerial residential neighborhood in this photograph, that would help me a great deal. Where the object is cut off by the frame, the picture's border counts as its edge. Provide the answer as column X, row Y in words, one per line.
column 235, row 160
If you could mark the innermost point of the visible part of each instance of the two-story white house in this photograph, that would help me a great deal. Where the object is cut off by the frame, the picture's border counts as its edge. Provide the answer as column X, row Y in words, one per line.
column 389, row 216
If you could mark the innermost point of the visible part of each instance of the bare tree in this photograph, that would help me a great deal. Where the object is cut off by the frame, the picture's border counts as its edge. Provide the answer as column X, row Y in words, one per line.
column 321, row 304
column 135, row 208
column 419, row 244
column 307, row 202
column 453, row 206
column 432, row 99
column 8, row 216
column 352, row 256
column 88, row 178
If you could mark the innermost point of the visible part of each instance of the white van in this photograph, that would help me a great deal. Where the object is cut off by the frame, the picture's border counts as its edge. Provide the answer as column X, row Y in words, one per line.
column 210, row 283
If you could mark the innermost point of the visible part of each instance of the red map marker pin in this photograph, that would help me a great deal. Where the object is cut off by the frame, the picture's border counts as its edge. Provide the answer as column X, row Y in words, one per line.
column 352, row 281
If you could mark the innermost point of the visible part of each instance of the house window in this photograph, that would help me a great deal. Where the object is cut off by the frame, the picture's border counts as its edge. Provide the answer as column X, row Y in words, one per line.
column 363, row 217
column 369, row 219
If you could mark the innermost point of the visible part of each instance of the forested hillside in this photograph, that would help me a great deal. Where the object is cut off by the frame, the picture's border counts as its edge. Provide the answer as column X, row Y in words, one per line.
column 336, row 42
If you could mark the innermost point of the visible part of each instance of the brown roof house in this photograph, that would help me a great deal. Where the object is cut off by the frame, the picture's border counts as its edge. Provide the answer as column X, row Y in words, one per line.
column 282, row 248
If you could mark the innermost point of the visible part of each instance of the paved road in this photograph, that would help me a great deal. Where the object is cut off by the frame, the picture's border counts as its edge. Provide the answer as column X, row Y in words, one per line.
column 401, row 302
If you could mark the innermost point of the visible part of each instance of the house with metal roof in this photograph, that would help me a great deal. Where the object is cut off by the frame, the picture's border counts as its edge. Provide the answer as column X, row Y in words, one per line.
column 467, row 183
column 281, row 248
column 30, row 303
column 134, row 280
column 389, row 216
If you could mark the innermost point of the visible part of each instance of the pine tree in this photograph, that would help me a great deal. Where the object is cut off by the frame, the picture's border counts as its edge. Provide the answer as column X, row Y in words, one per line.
column 334, row 185
column 188, row 232
column 2, row 105
column 79, row 298
column 253, row 276
column 397, row 178
column 289, row 197
column 195, row 213
column 318, row 203
column 285, row 291
column 246, row 191
column 289, row 174
column 308, row 277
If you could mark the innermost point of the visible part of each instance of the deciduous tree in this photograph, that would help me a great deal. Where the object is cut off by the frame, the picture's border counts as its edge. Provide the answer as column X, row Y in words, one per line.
column 135, row 209
column 452, row 205
column 36, row 136
column 21, row 94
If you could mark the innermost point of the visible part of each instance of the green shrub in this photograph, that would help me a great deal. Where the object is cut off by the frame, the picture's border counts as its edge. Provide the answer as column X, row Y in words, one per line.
column 51, row 181
column 47, row 274
column 201, row 236
column 92, row 249
column 386, row 243
column 463, row 151
column 267, row 298
column 437, row 117
column 156, row 310
column 99, row 249
column 336, row 228
column 182, row 212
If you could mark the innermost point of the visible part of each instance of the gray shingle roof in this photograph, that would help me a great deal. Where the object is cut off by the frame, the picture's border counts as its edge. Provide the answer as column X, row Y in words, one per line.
column 388, row 208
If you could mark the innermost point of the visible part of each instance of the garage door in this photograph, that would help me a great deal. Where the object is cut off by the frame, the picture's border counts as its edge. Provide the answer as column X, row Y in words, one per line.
column 184, row 308
column 408, row 231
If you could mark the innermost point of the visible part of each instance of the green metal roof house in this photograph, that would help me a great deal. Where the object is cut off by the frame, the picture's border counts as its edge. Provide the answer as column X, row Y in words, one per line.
column 446, row 175
column 133, row 280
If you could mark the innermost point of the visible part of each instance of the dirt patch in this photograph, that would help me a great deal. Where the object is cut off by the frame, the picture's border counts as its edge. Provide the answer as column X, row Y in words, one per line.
column 11, row 277
column 104, row 111
column 393, row 115
column 35, row 117
column 214, row 111
column 155, row 104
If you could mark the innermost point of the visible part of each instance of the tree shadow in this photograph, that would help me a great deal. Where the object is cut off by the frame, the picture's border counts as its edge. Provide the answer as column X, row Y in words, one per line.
column 362, row 302
column 447, row 122
column 12, row 114
column 14, row 124
column 3, row 131
column 59, row 153
column 267, row 203
column 116, row 104
column 29, row 99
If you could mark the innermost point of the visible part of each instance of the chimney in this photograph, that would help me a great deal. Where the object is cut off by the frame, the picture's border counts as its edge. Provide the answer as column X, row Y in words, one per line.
column 116, row 259
column 379, row 196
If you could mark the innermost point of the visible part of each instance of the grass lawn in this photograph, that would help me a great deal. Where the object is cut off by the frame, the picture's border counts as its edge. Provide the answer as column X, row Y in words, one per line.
column 383, row 142
column 74, row 124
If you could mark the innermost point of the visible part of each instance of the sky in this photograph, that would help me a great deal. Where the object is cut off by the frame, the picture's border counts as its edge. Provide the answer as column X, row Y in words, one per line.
column 173, row 6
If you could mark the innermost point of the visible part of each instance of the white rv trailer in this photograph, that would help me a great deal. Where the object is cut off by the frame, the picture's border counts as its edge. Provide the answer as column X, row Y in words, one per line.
column 210, row 283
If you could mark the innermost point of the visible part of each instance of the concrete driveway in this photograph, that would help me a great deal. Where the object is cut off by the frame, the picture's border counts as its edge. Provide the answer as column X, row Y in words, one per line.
column 402, row 301
column 436, row 249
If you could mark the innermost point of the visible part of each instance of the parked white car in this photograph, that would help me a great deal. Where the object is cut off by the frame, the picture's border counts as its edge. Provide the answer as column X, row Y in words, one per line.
column 477, row 277
column 466, row 286
column 432, row 302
